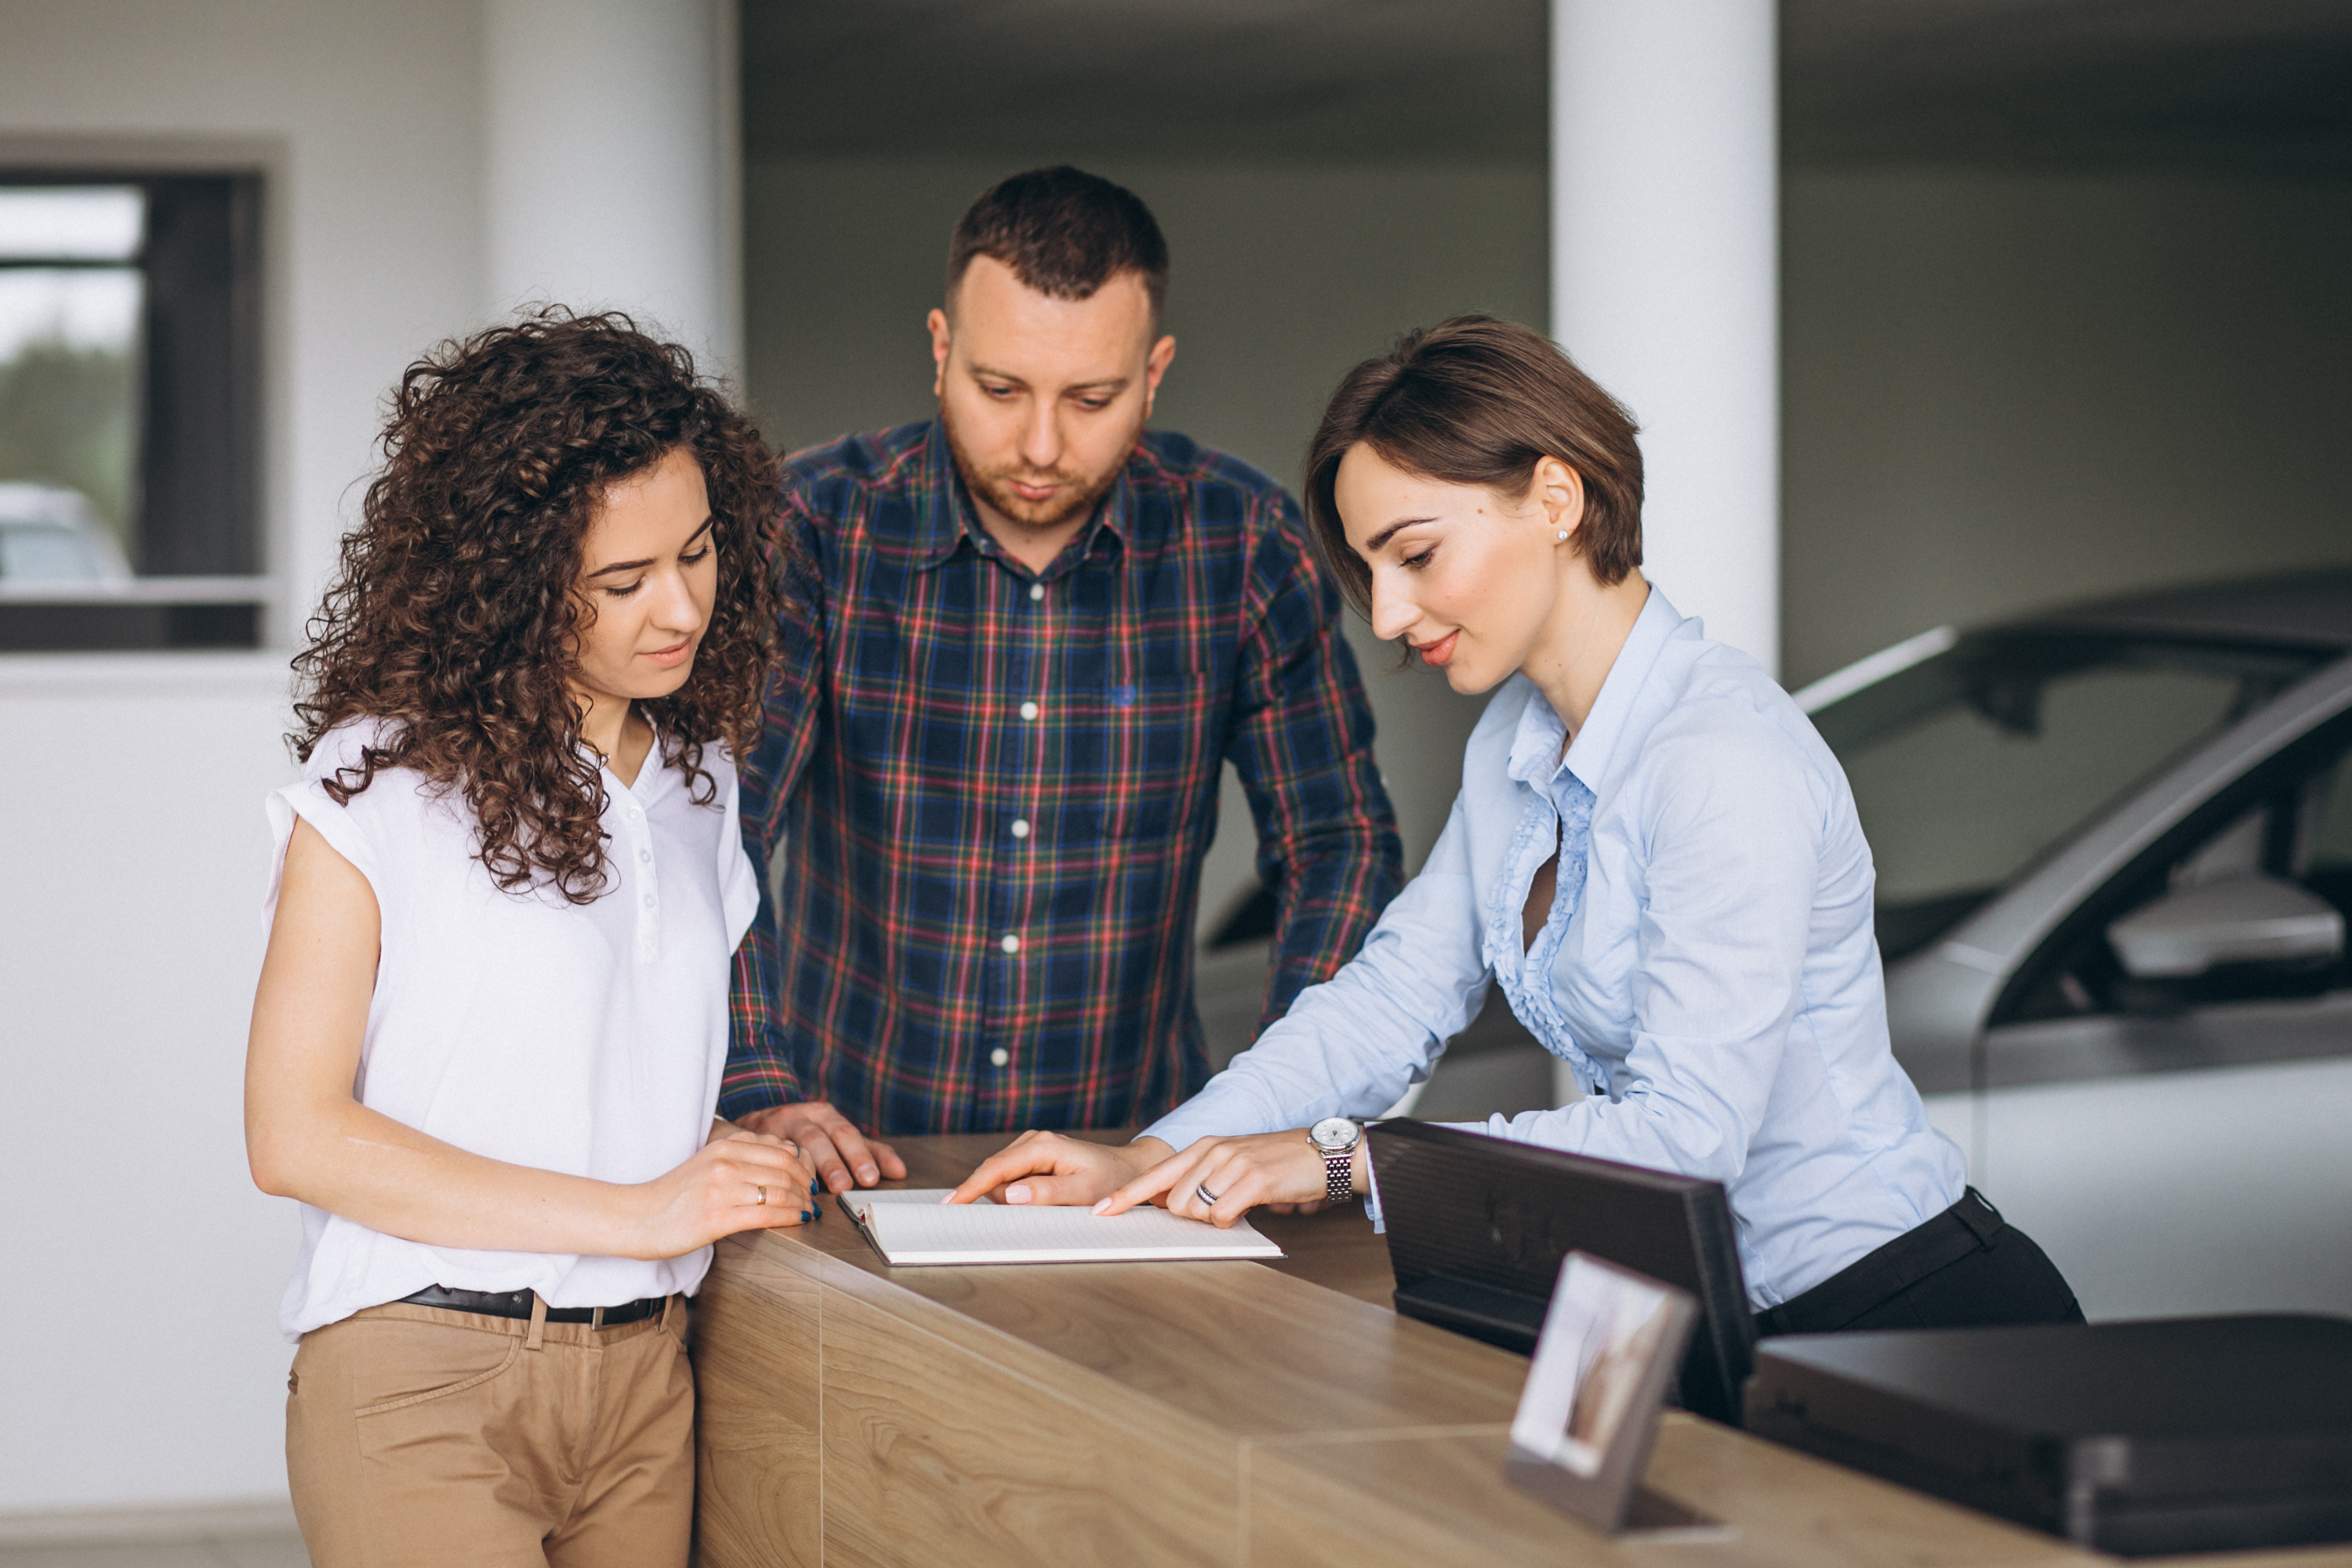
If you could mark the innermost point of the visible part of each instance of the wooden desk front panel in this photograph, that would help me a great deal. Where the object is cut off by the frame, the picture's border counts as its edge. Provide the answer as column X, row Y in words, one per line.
column 1440, row 1498
column 1209, row 1414
column 855, row 1414
column 933, row 1454
column 875, row 1424
column 758, row 1416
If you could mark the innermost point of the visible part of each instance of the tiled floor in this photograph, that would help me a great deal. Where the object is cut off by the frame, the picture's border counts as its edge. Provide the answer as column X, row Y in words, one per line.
column 276, row 1551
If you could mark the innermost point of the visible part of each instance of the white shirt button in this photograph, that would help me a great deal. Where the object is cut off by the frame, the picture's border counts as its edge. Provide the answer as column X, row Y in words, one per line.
column 1011, row 944
column 1036, row 591
column 650, row 901
column 646, row 855
column 1020, row 827
column 634, row 812
column 1029, row 711
column 999, row 1056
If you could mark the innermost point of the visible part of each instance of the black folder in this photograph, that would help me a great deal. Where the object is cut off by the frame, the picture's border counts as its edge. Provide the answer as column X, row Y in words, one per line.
column 2174, row 1435
column 1477, row 1228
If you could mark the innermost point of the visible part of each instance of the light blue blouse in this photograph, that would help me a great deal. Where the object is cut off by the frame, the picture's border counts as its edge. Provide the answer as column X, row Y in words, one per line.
column 1707, row 969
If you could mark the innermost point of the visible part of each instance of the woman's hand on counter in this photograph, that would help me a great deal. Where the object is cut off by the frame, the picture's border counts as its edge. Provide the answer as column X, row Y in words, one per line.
column 1282, row 1170
column 1048, row 1168
column 737, row 1181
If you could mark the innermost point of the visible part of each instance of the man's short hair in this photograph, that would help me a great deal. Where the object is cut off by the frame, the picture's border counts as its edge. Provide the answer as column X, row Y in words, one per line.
column 1064, row 231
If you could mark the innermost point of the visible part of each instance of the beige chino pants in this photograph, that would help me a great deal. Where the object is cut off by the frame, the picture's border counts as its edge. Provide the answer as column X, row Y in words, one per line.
column 419, row 1435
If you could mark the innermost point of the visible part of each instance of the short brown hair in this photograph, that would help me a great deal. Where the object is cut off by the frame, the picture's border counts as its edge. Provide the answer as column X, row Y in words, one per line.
column 1064, row 231
column 1476, row 401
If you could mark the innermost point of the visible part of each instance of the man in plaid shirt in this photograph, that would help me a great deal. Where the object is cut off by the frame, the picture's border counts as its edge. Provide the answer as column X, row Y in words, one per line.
column 1029, row 635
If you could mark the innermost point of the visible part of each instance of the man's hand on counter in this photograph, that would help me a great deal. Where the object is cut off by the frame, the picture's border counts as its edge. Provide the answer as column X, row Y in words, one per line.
column 845, row 1157
column 1048, row 1168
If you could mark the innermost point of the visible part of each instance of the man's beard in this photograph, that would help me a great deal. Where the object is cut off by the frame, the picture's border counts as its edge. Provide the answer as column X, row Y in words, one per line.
column 1077, row 498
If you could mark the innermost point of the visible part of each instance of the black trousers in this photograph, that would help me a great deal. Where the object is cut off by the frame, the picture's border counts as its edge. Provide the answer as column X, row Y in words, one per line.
column 1967, row 1267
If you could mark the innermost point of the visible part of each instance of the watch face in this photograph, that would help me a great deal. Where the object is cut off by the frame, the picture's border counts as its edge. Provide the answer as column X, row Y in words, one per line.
column 1334, row 1132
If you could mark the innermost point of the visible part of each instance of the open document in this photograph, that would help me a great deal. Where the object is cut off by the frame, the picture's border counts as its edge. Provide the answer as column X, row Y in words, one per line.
column 910, row 1226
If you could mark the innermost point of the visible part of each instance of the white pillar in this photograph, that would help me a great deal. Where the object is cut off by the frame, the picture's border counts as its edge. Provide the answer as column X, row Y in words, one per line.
column 611, row 172
column 1665, row 218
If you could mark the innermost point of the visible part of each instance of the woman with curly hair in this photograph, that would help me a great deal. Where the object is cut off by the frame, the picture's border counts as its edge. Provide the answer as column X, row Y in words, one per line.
column 488, row 1040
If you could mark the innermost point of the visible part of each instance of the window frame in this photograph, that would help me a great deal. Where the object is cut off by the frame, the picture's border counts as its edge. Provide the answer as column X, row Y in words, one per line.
column 198, row 540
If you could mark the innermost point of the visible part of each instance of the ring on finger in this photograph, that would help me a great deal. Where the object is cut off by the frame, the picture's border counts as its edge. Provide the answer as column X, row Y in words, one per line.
column 1202, row 1192
column 762, row 1198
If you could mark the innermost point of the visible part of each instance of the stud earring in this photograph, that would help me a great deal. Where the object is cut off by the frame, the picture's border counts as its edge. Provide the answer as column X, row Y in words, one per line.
column 1562, row 534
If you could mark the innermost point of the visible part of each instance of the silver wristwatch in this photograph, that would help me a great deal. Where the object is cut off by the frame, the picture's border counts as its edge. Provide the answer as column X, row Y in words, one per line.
column 1337, row 1137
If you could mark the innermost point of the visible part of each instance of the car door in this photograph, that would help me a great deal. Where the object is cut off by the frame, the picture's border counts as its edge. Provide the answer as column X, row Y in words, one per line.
column 2178, row 1144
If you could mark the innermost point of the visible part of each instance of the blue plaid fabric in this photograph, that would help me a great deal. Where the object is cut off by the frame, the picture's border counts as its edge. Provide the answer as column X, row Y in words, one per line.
column 995, row 787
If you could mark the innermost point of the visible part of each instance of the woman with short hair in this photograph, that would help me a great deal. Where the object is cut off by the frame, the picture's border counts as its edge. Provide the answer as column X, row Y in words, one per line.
column 1653, row 854
column 490, row 1025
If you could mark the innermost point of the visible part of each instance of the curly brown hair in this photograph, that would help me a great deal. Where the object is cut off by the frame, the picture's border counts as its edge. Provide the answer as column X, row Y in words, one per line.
column 456, row 618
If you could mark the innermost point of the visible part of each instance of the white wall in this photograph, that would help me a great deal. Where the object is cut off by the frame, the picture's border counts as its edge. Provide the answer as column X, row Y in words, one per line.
column 1282, row 276
column 130, row 936
column 2003, row 391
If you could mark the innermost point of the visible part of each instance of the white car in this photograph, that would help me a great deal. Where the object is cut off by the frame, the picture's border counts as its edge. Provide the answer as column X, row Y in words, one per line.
column 51, row 536
column 2115, row 862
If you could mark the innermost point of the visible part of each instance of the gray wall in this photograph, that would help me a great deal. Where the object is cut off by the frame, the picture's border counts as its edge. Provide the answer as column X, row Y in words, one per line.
column 1283, row 276
column 2009, row 391
column 2000, row 391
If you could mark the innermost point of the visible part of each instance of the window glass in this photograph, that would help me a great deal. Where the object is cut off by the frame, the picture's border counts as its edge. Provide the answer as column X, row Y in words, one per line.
column 71, row 306
column 1969, row 767
column 2328, row 845
column 71, row 222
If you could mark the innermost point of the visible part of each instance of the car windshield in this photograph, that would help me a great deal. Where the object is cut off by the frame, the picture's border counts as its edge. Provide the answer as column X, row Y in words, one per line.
column 1973, row 764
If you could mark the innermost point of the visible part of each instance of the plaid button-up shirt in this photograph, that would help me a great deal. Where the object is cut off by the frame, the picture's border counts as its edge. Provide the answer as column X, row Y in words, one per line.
column 997, row 786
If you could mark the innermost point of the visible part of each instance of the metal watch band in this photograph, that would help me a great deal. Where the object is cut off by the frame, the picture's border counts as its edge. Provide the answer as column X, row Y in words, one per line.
column 1339, row 1174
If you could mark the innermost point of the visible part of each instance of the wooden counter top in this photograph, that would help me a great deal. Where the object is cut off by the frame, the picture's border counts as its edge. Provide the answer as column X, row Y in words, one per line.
column 1196, row 1413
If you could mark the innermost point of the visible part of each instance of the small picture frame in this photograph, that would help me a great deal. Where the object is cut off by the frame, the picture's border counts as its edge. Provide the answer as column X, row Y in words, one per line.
column 1613, row 1340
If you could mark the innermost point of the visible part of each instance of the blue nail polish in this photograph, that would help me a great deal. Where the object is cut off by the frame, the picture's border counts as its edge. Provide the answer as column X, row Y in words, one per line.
column 808, row 1215
column 816, row 1188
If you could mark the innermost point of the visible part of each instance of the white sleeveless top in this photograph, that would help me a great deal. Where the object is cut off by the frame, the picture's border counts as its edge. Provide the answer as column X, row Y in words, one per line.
column 585, row 1038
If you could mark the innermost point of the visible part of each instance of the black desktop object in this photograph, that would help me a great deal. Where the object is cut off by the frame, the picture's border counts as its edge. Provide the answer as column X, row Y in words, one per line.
column 2181, row 1435
column 1477, row 1226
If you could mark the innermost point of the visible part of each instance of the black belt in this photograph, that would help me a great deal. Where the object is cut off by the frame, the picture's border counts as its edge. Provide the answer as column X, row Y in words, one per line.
column 1876, row 1275
column 517, row 1304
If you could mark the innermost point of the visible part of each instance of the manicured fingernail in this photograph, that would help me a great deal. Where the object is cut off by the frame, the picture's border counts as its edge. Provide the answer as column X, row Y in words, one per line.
column 1018, row 1193
column 869, row 1174
column 816, row 1188
column 1100, row 1204
column 808, row 1213
column 838, row 1181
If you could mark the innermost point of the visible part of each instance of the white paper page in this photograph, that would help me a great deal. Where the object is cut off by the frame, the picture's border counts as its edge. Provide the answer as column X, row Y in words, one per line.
column 914, row 1233
column 858, row 1197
